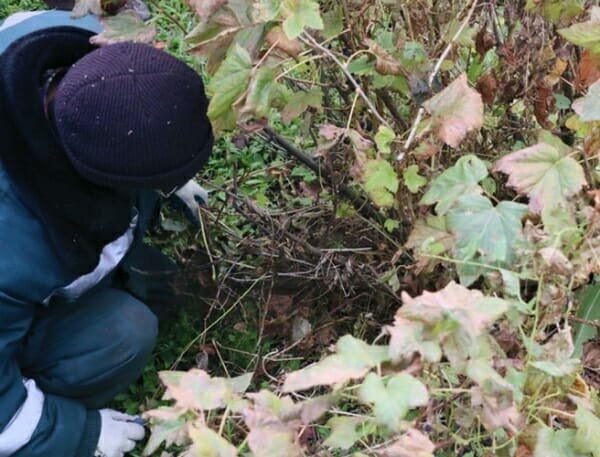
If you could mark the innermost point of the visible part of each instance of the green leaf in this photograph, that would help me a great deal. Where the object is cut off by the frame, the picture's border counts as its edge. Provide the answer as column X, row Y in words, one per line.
column 484, row 233
column 587, row 438
column 558, row 369
column 561, row 10
column 458, row 180
column 381, row 182
column 546, row 173
column 125, row 26
column 274, row 440
column 229, row 82
column 412, row 179
column 589, row 310
column 393, row 399
column 384, row 138
column 588, row 107
column 299, row 103
column 300, row 14
column 585, row 34
column 558, row 443
column 352, row 360
column 343, row 432
column 164, row 431
column 260, row 92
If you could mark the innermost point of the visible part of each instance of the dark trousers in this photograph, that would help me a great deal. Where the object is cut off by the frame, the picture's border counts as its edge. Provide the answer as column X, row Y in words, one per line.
column 92, row 349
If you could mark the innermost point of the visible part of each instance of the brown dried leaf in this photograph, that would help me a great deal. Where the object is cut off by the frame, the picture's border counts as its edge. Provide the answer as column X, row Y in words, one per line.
column 484, row 41
column 555, row 262
column 206, row 8
column 544, row 103
column 412, row 444
column 125, row 26
column 386, row 63
column 455, row 111
column 497, row 409
column 487, row 85
column 588, row 71
column 277, row 37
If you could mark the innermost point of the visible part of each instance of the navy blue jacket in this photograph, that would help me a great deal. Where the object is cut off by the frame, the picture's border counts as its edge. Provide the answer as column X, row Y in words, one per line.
column 31, row 422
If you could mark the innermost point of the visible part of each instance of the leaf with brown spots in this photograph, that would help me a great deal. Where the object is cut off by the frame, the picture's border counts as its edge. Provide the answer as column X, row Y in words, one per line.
column 455, row 111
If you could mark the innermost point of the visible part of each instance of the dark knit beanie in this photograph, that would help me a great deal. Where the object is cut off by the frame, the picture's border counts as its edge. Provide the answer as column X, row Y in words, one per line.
column 129, row 115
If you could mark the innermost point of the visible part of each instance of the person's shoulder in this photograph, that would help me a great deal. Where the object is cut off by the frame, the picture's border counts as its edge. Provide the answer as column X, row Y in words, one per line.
column 21, row 24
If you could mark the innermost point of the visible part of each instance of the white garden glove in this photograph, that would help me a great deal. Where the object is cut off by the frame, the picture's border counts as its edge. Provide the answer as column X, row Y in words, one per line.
column 192, row 196
column 118, row 434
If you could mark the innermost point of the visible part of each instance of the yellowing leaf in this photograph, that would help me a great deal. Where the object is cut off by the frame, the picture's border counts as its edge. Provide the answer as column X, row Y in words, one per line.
column 546, row 173
column 207, row 443
column 229, row 82
column 196, row 390
column 300, row 14
column 455, row 111
column 460, row 179
column 393, row 399
column 381, row 182
column 352, row 360
column 588, row 107
column 273, row 441
column 455, row 316
column 485, row 233
column 407, row 338
column 587, row 438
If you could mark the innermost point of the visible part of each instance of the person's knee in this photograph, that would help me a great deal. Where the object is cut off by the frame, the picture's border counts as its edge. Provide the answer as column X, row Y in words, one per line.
column 138, row 329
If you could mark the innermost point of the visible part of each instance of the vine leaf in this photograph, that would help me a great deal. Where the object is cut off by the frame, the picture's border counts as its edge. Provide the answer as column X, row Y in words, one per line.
column 408, row 338
column 125, row 26
column 261, row 91
column 585, row 34
column 455, row 111
column 412, row 444
column 381, row 182
column 229, row 82
column 300, row 14
column 353, row 359
column 343, row 432
column 273, row 440
column 393, row 399
column 485, row 234
column 587, row 438
column 558, row 443
column 589, row 310
column 460, row 179
column 384, row 138
column 207, row 442
column 546, row 173
column 196, row 390
column 588, row 107
column 413, row 180
column 454, row 316
column 300, row 101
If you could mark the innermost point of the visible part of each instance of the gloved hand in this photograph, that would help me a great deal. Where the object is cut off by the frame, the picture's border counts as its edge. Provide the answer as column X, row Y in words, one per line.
column 191, row 197
column 118, row 434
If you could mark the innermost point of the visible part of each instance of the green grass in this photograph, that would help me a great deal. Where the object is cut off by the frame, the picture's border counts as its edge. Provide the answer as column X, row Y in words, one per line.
column 8, row 7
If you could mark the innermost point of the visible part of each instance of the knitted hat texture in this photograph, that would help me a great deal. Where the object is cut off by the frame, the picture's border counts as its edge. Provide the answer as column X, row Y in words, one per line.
column 129, row 115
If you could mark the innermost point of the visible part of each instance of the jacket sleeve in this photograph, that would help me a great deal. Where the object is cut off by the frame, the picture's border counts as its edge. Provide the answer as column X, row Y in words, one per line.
column 33, row 424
